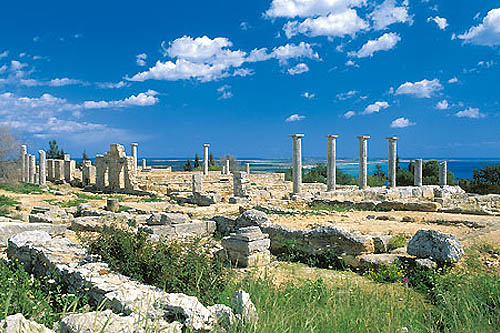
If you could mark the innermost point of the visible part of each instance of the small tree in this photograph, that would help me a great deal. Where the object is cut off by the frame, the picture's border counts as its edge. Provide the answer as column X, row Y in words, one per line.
column 188, row 166
column 85, row 157
column 485, row 180
column 54, row 151
column 196, row 161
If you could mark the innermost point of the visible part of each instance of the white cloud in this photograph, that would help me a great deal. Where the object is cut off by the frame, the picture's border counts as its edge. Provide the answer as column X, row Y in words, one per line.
column 298, row 69
column 442, row 105
column 346, row 95
column 375, row 107
column 308, row 95
column 225, row 92
column 384, row 43
column 111, row 85
column 388, row 13
column 440, row 21
column 470, row 113
column 334, row 25
column 244, row 26
column 206, row 59
column 351, row 63
column 453, row 80
column 52, row 83
column 4, row 54
column 309, row 8
column 140, row 59
column 243, row 72
column 295, row 117
column 142, row 99
column 402, row 123
column 487, row 33
column 486, row 64
column 349, row 114
column 421, row 89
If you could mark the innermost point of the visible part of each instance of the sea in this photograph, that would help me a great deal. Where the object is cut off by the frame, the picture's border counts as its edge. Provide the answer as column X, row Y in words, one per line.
column 461, row 167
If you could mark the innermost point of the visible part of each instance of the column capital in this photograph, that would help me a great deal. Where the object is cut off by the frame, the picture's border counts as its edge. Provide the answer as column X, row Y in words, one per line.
column 392, row 138
column 363, row 137
column 134, row 144
column 206, row 145
column 331, row 136
column 297, row 136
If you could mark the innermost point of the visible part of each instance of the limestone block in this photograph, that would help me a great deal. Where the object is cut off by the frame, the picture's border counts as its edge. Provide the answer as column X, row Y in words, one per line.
column 245, row 247
column 435, row 245
column 167, row 218
column 252, row 217
column 17, row 323
column 10, row 229
column 112, row 205
column 243, row 306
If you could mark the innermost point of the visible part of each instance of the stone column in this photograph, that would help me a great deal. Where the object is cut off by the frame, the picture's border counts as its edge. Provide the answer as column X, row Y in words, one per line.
column 443, row 174
column 197, row 182
column 331, row 168
column 392, row 160
column 42, row 167
column 58, row 170
column 205, row 158
column 143, row 164
column 100, row 172
column 24, row 151
column 32, row 169
column 69, row 167
column 50, row 169
column 247, row 168
column 240, row 184
column 27, row 168
column 228, row 171
column 134, row 154
column 363, row 161
column 417, row 173
column 297, row 162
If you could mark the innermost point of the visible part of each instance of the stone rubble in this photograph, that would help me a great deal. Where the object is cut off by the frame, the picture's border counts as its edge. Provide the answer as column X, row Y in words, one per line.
column 435, row 245
column 247, row 247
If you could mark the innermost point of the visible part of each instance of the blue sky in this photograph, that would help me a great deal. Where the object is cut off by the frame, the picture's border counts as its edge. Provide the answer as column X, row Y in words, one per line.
column 243, row 75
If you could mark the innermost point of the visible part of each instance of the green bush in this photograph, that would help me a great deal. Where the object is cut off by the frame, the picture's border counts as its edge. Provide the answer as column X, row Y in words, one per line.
column 294, row 252
column 430, row 174
column 44, row 300
column 485, row 180
column 318, row 174
column 175, row 266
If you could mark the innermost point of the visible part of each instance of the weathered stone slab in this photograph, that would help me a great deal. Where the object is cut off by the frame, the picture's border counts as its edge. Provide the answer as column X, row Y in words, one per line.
column 18, row 324
column 167, row 218
column 193, row 229
column 10, row 229
column 252, row 217
column 435, row 245
column 245, row 247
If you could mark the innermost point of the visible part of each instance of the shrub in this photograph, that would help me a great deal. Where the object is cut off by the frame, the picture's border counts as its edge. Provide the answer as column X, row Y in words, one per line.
column 318, row 174
column 294, row 252
column 175, row 266
column 44, row 299
column 485, row 180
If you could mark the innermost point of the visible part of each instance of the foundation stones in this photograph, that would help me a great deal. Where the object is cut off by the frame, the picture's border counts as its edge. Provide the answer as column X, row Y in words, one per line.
column 247, row 247
column 435, row 245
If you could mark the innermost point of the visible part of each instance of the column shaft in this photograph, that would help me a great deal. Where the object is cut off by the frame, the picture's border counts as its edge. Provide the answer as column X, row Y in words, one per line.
column 363, row 161
column 205, row 159
column 134, row 154
column 417, row 174
column 32, row 169
column 443, row 174
column 331, row 168
column 24, row 151
column 42, row 167
column 392, row 161
column 297, row 163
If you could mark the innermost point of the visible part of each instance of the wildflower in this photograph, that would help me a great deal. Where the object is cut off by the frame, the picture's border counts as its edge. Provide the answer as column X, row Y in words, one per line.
column 403, row 329
column 51, row 281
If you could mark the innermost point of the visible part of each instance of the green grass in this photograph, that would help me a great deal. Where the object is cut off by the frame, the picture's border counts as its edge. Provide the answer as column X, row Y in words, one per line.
column 23, row 188
column 44, row 300
column 66, row 204
column 397, row 241
column 331, row 208
column 86, row 196
column 5, row 202
column 123, row 208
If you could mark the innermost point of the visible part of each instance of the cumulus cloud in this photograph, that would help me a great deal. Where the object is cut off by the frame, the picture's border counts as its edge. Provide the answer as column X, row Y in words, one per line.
column 487, row 33
column 384, row 43
column 375, row 107
column 338, row 24
column 389, row 13
column 140, row 59
column 142, row 99
column 442, row 105
column 4, row 54
column 472, row 113
column 441, row 22
column 111, row 85
column 349, row 114
column 51, row 83
column 346, row 95
column 351, row 63
column 225, row 92
column 308, row 95
column 295, row 117
column 402, row 123
column 309, row 8
column 298, row 69
column 205, row 59
column 453, row 80
column 421, row 89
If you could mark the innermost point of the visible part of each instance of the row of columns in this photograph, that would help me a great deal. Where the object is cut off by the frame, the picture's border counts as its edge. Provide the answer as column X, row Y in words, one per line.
column 29, row 172
column 363, row 164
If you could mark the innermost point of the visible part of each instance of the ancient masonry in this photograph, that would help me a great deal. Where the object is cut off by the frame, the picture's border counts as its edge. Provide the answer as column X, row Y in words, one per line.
column 116, row 172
